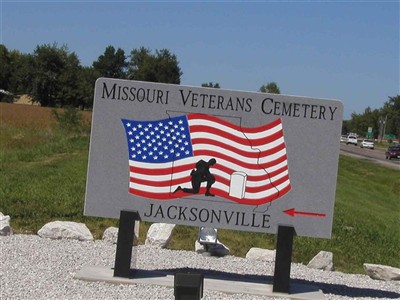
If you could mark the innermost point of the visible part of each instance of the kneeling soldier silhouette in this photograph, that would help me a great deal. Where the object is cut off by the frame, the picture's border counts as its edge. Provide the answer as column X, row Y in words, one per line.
column 199, row 175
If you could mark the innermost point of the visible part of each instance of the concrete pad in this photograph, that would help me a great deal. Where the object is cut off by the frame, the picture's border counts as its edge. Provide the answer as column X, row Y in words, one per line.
column 105, row 274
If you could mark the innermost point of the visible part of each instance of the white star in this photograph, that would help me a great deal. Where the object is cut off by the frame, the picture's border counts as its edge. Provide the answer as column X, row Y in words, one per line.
column 140, row 126
column 180, row 121
column 130, row 132
column 128, row 124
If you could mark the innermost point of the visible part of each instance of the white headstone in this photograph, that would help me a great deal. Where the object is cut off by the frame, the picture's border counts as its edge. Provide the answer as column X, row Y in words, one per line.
column 237, row 187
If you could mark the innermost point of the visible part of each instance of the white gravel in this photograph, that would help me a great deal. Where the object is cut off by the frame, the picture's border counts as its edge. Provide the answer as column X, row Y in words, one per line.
column 32, row 267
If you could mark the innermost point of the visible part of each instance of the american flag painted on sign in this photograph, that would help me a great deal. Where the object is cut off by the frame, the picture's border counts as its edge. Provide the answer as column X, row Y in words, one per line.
column 163, row 153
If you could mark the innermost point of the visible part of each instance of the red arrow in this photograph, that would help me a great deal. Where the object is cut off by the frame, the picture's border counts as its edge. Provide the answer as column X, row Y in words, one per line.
column 292, row 212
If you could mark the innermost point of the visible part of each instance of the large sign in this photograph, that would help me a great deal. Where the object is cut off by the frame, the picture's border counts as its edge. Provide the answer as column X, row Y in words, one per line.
column 213, row 157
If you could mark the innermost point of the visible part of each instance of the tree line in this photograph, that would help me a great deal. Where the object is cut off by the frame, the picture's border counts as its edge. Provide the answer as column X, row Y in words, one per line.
column 384, row 122
column 53, row 76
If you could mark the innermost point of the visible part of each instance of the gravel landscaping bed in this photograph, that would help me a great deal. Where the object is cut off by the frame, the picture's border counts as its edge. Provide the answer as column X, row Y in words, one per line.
column 32, row 267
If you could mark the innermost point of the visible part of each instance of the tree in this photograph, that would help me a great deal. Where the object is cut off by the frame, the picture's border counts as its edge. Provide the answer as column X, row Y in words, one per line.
column 67, row 93
column 54, row 78
column 23, row 71
column 211, row 85
column 160, row 67
column 5, row 73
column 360, row 123
column 391, row 112
column 112, row 63
column 270, row 87
column 87, row 78
column 49, row 61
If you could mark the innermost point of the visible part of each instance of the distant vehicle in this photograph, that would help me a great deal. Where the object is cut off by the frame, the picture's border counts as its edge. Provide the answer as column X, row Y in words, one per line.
column 393, row 152
column 351, row 139
column 343, row 138
column 367, row 144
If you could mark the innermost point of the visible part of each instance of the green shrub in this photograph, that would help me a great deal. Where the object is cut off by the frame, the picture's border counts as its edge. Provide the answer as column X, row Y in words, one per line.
column 69, row 119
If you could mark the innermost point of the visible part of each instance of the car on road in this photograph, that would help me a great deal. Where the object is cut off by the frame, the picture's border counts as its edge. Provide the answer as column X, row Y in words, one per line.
column 351, row 139
column 367, row 144
column 393, row 152
column 343, row 138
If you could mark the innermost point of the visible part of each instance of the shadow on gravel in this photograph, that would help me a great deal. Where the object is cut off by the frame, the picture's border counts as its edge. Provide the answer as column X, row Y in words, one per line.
column 326, row 288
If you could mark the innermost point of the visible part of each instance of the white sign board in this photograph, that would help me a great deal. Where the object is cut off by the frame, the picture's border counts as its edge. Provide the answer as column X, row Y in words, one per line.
column 212, row 157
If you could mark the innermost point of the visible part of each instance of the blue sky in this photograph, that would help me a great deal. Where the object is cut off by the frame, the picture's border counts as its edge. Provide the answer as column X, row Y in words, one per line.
column 345, row 50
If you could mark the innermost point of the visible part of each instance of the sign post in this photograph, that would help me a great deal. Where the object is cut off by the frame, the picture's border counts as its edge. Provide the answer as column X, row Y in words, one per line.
column 283, row 259
column 123, row 254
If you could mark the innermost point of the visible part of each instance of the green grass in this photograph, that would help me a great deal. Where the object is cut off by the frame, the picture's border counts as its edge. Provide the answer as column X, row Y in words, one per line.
column 43, row 175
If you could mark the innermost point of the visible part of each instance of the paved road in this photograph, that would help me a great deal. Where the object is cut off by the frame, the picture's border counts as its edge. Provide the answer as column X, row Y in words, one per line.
column 377, row 155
